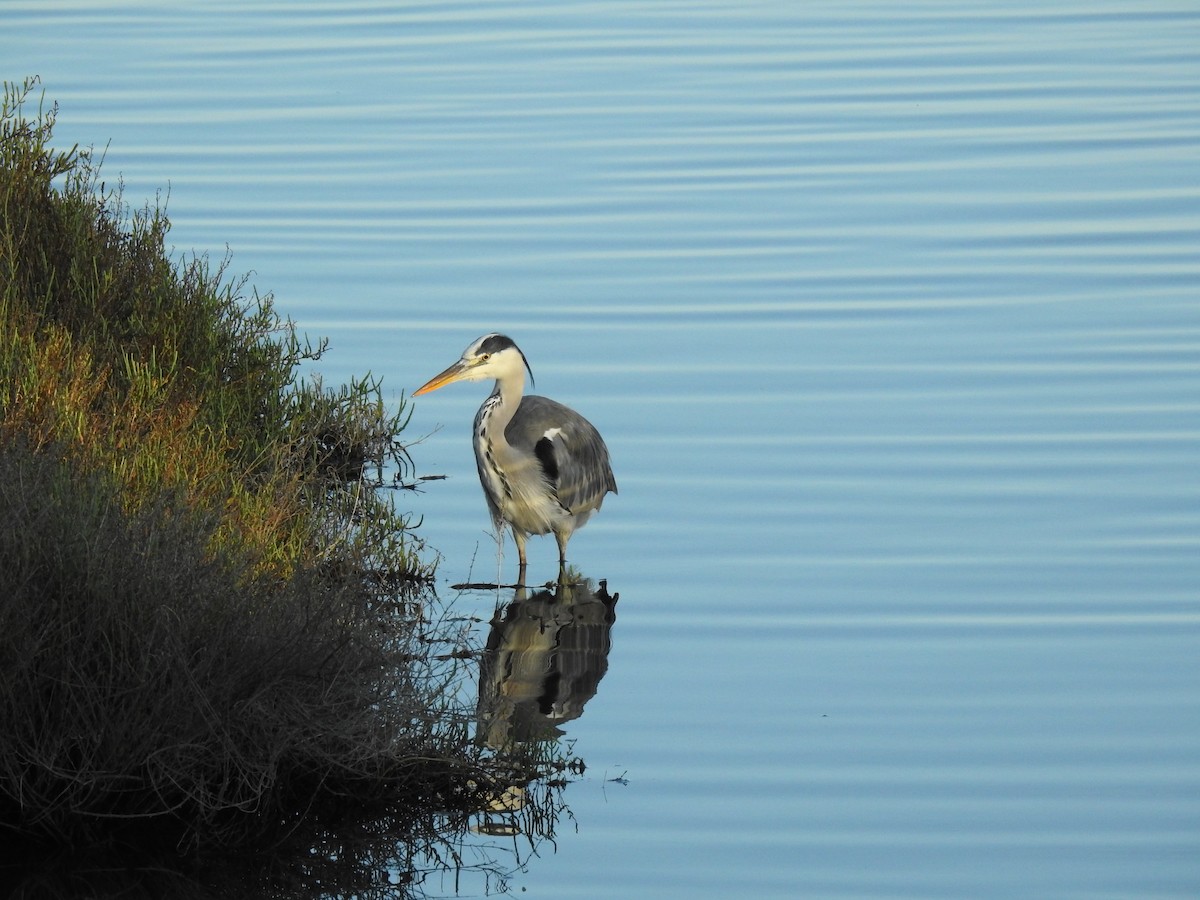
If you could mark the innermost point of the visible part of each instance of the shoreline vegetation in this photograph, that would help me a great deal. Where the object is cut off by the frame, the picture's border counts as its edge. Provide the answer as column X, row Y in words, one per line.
column 216, row 633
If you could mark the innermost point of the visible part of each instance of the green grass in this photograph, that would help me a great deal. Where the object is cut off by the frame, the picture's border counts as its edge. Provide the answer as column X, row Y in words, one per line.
column 165, row 375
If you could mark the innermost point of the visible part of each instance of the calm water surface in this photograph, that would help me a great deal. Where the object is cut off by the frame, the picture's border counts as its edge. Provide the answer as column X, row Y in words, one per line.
column 891, row 318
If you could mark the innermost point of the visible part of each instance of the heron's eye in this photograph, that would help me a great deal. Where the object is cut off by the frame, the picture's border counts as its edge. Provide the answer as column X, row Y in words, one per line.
column 484, row 357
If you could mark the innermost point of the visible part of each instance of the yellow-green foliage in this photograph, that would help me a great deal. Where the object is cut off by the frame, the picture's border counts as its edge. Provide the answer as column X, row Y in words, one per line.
column 166, row 377
column 210, row 630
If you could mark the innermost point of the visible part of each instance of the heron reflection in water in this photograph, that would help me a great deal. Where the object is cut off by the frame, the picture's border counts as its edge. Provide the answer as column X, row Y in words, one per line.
column 544, row 467
column 545, row 656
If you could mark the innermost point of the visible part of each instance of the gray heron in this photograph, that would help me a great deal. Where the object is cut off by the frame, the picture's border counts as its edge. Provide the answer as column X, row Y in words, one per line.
column 544, row 467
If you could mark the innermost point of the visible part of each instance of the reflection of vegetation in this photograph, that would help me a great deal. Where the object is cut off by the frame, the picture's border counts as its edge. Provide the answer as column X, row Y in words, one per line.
column 214, row 643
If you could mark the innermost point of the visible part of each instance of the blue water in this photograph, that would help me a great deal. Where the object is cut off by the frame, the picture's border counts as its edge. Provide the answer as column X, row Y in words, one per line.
column 890, row 316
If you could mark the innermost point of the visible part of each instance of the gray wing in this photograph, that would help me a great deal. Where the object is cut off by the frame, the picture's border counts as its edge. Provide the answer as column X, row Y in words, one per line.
column 573, row 456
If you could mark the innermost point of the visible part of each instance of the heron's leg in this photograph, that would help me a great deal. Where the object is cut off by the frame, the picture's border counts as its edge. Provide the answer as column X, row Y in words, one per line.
column 519, row 539
column 562, row 537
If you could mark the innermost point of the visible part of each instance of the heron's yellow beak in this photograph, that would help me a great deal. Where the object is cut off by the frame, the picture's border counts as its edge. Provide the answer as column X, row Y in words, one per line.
column 454, row 373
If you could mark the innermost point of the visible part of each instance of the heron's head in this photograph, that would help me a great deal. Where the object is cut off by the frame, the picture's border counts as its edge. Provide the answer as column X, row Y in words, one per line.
column 491, row 356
